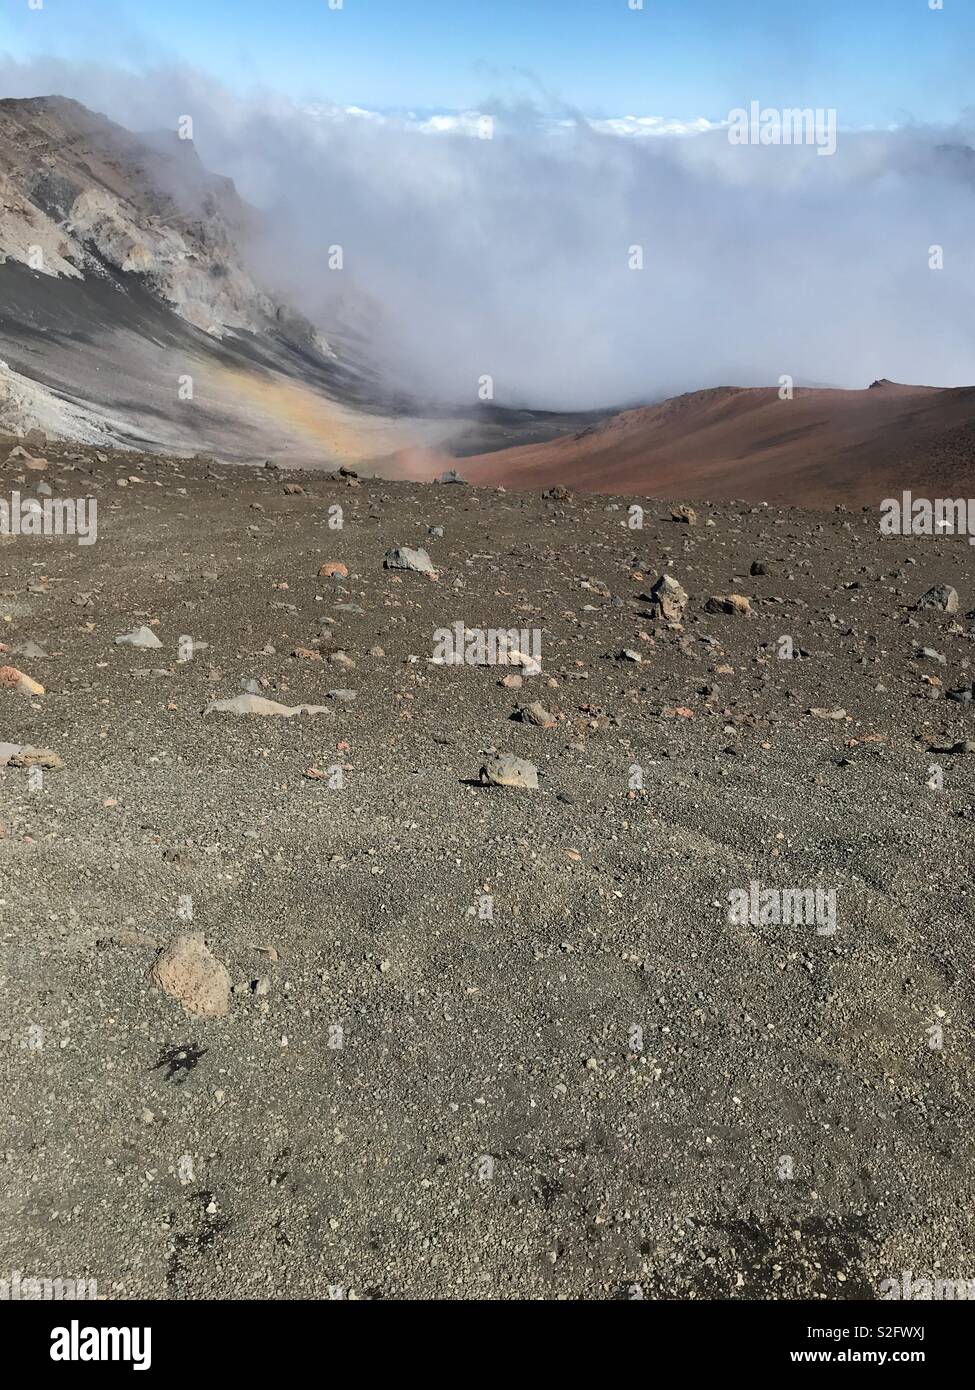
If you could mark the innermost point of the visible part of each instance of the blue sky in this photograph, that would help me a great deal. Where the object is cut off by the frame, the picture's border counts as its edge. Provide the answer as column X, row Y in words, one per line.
column 876, row 61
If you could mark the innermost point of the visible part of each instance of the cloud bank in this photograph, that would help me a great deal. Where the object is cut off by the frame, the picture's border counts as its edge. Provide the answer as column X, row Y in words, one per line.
column 512, row 256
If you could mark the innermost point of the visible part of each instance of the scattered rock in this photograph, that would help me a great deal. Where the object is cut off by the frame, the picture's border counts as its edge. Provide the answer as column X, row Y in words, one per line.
column 257, row 704
column 12, row 679
column 514, row 656
column 404, row 557
column 505, row 770
column 668, row 599
column 736, row 604
column 536, row 714
column 942, row 597
column 333, row 569
column 828, row 713
column 686, row 515
column 140, row 637
column 29, row 756
column 963, row 746
column 189, row 972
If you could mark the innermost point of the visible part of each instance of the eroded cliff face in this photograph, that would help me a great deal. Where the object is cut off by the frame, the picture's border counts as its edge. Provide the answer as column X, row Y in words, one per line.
column 125, row 273
column 81, row 197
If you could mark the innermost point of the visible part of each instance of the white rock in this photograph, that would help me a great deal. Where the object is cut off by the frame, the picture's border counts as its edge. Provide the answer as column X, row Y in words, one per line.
column 140, row 637
column 257, row 704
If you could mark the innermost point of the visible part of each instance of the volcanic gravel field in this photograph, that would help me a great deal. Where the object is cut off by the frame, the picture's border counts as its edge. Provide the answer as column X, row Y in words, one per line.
column 480, row 1042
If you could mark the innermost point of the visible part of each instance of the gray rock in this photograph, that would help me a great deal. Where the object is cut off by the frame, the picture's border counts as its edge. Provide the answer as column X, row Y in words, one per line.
column 258, row 705
column 505, row 770
column 536, row 714
column 668, row 599
column 404, row 557
column 942, row 596
column 140, row 637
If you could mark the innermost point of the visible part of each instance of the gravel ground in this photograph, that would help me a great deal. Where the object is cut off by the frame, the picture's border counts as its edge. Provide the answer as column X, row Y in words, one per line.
column 482, row 1043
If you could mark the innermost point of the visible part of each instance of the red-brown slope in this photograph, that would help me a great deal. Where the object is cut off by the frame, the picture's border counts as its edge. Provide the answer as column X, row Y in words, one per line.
column 822, row 447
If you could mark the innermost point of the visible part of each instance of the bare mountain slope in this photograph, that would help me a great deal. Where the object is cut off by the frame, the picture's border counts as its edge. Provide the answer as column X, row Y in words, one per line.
column 84, row 198
column 821, row 447
column 128, row 312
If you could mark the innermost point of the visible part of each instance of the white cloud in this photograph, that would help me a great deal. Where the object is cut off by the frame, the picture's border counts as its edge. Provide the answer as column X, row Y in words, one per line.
column 510, row 256
column 654, row 125
column 472, row 122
